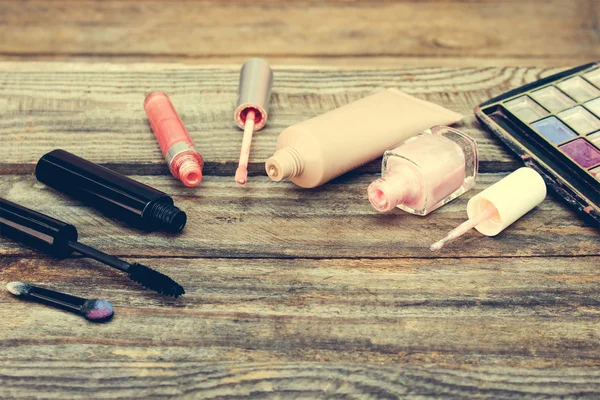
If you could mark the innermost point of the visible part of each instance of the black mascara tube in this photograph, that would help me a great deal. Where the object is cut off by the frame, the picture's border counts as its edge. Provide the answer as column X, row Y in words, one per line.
column 113, row 194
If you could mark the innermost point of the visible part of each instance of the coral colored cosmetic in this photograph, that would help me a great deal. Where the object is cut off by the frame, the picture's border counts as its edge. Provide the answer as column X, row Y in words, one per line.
column 317, row 150
column 185, row 162
column 497, row 207
column 425, row 172
column 254, row 94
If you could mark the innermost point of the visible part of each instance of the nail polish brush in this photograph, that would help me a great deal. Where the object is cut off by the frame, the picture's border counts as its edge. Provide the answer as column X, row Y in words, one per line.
column 59, row 239
column 254, row 94
column 497, row 207
column 185, row 162
column 94, row 310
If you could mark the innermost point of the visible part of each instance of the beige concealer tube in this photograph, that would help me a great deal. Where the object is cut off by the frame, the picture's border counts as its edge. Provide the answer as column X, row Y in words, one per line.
column 317, row 150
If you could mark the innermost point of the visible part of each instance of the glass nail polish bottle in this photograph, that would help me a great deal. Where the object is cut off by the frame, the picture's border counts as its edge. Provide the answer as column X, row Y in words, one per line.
column 425, row 172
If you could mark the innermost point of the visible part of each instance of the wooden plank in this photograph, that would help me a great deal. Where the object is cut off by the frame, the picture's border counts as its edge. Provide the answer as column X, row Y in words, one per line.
column 381, row 328
column 279, row 220
column 343, row 62
column 483, row 29
column 503, row 311
column 96, row 110
column 75, row 379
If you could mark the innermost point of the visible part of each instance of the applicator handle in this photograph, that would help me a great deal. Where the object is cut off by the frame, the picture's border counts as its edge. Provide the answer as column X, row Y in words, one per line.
column 35, row 229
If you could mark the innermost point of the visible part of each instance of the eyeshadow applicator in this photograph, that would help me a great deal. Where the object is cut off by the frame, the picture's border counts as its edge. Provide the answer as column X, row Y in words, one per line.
column 59, row 239
column 94, row 310
column 254, row 94
column 497, row 207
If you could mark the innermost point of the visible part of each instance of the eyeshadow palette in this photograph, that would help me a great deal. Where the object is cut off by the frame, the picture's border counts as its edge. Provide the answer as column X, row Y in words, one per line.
column 554, row 126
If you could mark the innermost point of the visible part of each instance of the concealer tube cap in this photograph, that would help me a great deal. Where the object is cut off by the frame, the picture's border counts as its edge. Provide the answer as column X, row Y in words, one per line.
column 254, row 92
column 513, row 197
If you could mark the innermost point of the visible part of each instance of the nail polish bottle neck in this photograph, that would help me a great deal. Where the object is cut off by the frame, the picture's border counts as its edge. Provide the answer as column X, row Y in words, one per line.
column 390, row 191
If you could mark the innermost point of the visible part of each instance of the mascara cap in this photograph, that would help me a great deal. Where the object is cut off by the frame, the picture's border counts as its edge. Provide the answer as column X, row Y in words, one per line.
column 254, row 92
column 513, row 197
column 114, row 194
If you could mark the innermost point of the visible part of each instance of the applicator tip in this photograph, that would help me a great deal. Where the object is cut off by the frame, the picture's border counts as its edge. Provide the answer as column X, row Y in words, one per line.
column 18, row 288
column 97, row 310
column 437, row 245
column 241, row 175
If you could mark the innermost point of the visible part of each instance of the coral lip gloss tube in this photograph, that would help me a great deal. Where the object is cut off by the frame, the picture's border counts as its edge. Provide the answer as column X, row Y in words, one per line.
column 185, row 162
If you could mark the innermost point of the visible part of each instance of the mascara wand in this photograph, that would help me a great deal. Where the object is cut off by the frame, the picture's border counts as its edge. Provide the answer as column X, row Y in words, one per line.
column 59, row 239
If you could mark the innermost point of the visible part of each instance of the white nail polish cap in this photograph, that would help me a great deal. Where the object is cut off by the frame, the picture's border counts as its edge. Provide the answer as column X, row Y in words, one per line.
column 512, row 197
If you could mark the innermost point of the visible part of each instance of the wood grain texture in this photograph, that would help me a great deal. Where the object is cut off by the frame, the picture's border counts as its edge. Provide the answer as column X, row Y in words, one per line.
column 292, row 380
column 96, row 110
column 342, row 32
column 506, row 327
column 348, row 310
column 291, row 293
column 279, row 220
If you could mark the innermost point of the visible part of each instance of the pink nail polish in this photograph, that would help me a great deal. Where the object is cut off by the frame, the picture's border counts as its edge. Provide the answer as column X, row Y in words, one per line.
column 425, row 172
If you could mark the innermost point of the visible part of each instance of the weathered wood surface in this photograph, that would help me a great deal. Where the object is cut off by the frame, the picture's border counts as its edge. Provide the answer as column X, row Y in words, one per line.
column 340, row 32
column 464, row 327
column 278, row 220
column 293, row 380
column 290, row 292
column 97, row 109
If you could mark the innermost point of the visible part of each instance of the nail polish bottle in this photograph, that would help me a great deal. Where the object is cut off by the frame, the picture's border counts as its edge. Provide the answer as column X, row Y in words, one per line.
column 425, row 172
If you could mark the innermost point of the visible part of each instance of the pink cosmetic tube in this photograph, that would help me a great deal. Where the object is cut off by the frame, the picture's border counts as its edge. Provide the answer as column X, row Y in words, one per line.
column 185, row 162
column 317, row 150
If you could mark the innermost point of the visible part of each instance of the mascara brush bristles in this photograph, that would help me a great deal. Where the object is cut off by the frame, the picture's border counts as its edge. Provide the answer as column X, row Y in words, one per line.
column 139, row 273
column 154, row 280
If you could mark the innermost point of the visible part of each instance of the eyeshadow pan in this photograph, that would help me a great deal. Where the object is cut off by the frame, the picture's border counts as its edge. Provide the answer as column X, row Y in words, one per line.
column 594, row 106
column 579, row 89
column 595, row 138
column 582, row 152
column 526, row 109
column 553, row 99
column 596, row 173
column 553, row 130
column 594, row 76
column 580, row 119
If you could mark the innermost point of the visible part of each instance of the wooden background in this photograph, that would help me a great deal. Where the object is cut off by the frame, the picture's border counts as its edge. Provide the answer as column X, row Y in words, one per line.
column 291, row 293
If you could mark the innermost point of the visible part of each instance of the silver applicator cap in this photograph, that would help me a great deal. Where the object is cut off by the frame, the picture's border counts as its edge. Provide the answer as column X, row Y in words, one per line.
column 254, row 92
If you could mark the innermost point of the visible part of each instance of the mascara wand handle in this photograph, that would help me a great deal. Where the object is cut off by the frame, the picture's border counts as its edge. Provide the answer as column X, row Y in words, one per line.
column 98, row 255
column 35, row 229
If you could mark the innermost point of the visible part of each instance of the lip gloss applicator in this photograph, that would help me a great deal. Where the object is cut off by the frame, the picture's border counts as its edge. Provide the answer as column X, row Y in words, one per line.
column 254, row 94
column 185, row 162
column 497, row 207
